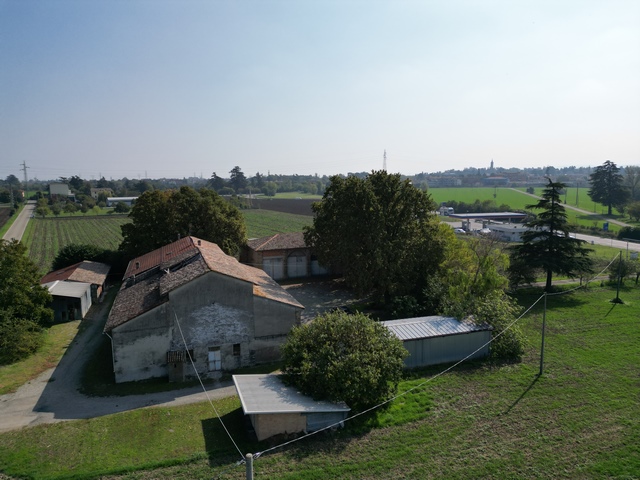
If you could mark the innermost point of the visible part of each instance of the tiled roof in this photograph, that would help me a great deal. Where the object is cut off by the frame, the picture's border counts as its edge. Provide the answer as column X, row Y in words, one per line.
column 86, row 271
column 174, row 265
column 279, row 241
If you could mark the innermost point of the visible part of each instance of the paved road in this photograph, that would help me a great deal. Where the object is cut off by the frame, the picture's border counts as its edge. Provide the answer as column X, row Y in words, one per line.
column 16, row 230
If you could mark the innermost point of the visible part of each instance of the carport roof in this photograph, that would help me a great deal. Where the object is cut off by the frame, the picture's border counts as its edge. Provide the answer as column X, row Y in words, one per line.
column 265, row 394
column 67, row 289
column 429, row 327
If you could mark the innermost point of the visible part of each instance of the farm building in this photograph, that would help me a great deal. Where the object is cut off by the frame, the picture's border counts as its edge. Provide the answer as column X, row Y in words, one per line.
column 71, row 300
column 95, row 192
column 282, row 256
column 434, row 340
column 276, row 409
column 112, row 201
column 94, row 273
column 508, row 232
column 190, row 301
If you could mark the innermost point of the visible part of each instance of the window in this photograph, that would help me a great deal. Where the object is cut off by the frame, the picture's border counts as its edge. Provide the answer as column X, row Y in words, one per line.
column 236, row 349
column 215, row 359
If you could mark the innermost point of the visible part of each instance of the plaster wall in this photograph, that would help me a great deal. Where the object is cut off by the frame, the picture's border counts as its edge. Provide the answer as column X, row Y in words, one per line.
column 268, row 425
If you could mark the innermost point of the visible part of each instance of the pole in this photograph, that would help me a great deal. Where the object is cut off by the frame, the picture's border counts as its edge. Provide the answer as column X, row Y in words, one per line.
column 249, row 460
column 544, row 324
column 617, row 300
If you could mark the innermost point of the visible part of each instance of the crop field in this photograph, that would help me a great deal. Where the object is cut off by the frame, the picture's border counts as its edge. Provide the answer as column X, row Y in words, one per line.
column 4, row 214
column 45, row 237
column 261, row 223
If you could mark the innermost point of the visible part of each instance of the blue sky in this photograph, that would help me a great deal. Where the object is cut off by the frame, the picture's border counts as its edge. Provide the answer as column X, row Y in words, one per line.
column 159, row 88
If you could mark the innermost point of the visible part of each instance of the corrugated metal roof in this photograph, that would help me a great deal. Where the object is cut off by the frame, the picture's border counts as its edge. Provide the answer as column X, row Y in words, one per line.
column 263, row 394
column 67, row 289
column 427, row 327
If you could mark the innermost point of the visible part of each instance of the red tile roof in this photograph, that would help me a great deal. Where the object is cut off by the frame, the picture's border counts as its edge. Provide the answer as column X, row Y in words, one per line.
column 176, row 264
column 279, row 241
column 86, row 271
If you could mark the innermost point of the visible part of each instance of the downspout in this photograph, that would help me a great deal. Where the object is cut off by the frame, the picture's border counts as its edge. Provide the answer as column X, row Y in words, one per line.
column 113, row 357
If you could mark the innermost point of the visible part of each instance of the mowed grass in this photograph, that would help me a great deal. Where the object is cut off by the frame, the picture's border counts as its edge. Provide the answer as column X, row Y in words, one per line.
column 56, row 339
column 578, row 420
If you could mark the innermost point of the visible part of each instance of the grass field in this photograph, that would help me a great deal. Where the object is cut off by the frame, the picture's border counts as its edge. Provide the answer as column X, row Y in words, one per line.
column 261, row 223
column 518, row 200
column 578, row 420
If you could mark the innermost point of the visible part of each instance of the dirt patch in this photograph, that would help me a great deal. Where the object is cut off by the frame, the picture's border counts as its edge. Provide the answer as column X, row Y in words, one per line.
column 321, row 296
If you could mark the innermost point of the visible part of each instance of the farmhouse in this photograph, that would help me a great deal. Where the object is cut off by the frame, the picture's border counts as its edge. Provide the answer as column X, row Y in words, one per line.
column 275, row 408
column 282, row 256
column 190, row 302
column 95, row 192
column 434, row 340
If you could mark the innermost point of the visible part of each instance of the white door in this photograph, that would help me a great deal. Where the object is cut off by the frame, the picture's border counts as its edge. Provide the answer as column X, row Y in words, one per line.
column 215, row 359
column 273, row 267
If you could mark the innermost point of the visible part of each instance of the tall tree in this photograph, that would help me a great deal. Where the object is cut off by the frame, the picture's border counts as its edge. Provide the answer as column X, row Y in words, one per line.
column 24, row 304
column 161, row 217
column 237, row 181
column 547, row 244
column 380, row 232
column 215, row 182
column 607, row 186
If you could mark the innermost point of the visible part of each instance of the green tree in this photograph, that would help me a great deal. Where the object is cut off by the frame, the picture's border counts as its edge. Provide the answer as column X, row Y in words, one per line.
column 632, row 181
column 341, row 357
column 237, row 180
column 607, row 186
column 380, row 232
column 24, row 304
column 215, row 182
column 70, row 207
column 633, row 209
column 547, row 244
column 161, row 217
column 270, row 189
column 75, row 253
column 121, row 207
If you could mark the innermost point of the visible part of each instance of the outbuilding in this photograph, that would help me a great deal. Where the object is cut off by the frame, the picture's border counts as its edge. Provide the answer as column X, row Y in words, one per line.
column 70, row 300
column 436, row 339
column 275, row 408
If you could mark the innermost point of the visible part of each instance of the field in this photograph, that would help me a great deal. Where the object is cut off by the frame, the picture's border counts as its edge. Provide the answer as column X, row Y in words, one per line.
column 4, row 215
column 578, row 420
column 45, row 237
column 518, row 201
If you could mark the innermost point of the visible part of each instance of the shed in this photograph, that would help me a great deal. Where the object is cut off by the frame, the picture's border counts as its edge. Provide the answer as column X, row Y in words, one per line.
column 436, row 339
column 275, row 408
column 71, row 300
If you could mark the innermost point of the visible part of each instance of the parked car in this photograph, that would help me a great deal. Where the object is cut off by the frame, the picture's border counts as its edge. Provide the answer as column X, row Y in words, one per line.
column 459, row 230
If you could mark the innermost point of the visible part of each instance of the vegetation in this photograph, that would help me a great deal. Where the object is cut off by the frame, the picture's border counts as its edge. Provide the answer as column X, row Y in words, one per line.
column 607, row 186
column 547, row 244
column 344, row 358
column 380, row 232
column 479, row 420
column 24, row 304
column 261, row 223
column 159, row 218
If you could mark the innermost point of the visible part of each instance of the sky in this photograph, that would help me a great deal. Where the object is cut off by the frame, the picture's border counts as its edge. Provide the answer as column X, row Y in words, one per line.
column 181, row 88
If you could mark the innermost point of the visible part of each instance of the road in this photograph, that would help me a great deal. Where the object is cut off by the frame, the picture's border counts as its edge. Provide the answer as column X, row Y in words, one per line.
column 16, row 230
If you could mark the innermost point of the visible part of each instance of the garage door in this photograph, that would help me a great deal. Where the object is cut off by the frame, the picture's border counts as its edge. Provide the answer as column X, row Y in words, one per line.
column 273, row 267
column 297, row 266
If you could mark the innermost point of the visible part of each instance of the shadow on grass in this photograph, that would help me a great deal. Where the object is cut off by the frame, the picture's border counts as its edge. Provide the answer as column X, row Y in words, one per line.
column 524, row 394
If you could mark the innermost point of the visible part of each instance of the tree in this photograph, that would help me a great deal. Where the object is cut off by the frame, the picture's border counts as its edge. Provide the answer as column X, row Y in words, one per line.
column 162, row 217
column 215, row 182
column 23, row 303
column 633, row 209
column 632, row 181
column 341, row 357
column 547, row 244
column 121, row 207
column 75, row 253
column 380, row 232
column 270, row 189
column 607, row 186
column 237, row 181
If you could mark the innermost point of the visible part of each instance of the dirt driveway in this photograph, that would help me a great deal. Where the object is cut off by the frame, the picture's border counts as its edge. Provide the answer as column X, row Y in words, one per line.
column 54, row 397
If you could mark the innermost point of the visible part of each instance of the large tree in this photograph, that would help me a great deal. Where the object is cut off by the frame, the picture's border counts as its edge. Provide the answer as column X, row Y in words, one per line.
column 162, row 217
column 24, row 304
column 547, row 244
column 380, row 231
column 607, row 186
column 237, row 180
column 341, row 357
column 632, row 181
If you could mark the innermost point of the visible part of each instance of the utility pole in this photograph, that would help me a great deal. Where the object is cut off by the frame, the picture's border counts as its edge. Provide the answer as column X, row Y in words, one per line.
column 544, row 324
column 384, row 161
column 249, row 466
column 577, row 191
column 24, row 170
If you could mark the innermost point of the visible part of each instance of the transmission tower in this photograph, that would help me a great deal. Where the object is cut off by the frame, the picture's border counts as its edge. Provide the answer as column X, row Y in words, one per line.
column 24, row 170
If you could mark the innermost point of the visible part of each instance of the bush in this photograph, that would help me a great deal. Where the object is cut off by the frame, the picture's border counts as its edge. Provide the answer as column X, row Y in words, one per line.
column 19, row 338
column 341, row 357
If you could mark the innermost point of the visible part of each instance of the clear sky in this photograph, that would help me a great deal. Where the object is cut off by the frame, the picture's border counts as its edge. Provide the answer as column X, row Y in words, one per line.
column 175, row 88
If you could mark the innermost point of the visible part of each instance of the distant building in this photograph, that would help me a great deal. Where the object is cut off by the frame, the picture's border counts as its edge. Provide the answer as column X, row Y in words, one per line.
column 59, row 188
column 495, row 181
column 112, row 201
column 97, row 191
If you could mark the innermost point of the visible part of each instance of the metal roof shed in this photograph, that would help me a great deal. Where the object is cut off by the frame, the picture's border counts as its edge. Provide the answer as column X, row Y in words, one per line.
column 275, row 408
column 436, row 339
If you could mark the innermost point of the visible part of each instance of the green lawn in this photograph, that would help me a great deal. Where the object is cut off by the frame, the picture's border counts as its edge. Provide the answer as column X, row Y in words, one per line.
column 579, row 420
column 261, row 223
